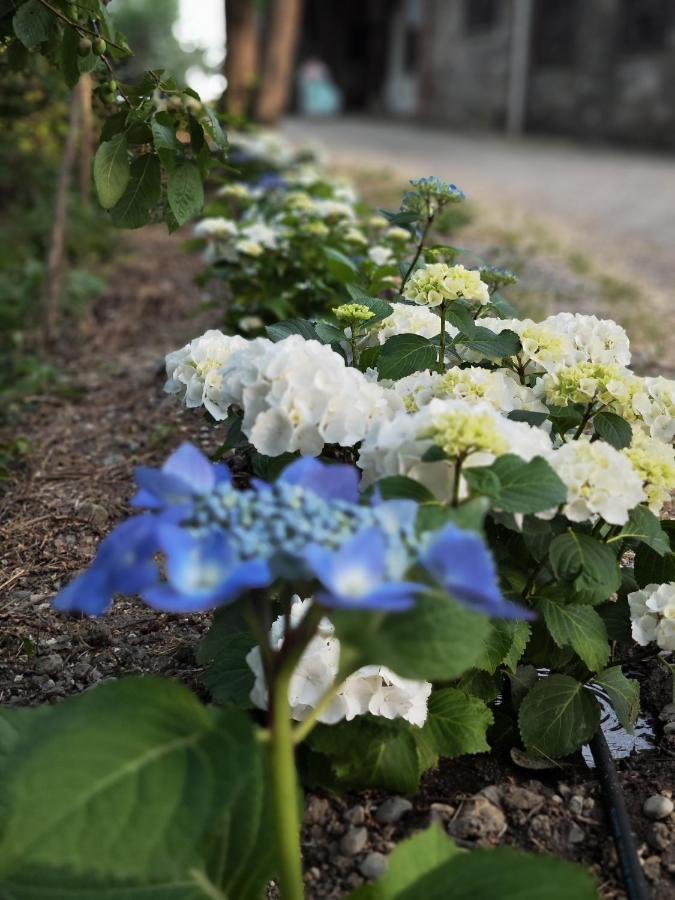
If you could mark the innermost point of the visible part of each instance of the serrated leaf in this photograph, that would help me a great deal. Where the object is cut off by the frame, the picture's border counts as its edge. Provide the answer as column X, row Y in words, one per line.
column 227, row 675
column 142, row 195
column 487, row 343
column 591, row 566
column 424, row 868
column 613, row 429
column 643, row 526
column 558, row 716
column 281, row 330
column 400, row 487
column 579, row 627
column 623, row 693
column 456, row 723
column 370, row 752
column 526, row 487
column 653, row 568
column 328, row 333
column 403, row 354
column 470, row 515
column 436, row 640
column 111, row 170
column 416, row 855
column 129, row 789
column 32, row 23
column 185, row 191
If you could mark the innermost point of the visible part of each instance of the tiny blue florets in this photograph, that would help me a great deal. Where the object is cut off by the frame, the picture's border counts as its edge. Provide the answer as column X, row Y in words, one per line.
column 218, row 542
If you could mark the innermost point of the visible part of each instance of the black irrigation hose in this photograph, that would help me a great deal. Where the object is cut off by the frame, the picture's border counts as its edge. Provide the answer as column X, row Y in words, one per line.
column 619, row 822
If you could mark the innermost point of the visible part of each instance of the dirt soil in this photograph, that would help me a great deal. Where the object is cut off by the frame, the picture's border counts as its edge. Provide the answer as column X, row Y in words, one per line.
column 73, row 486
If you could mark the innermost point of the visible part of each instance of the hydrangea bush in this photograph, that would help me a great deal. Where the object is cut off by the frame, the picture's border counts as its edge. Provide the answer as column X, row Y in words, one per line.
column 436, row 510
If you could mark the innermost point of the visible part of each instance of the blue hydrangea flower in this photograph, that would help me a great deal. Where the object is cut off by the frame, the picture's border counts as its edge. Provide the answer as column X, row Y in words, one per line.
column 461, row 563
column 357, row 575
column 202, row 571
column 219, row 541
column 432, row 185
column 123, row 565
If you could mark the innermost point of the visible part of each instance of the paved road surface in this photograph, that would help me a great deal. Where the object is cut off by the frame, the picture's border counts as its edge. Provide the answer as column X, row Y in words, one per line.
column 616, row 203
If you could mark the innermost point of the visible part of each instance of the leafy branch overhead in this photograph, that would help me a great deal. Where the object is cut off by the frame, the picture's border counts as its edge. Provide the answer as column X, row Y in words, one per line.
column 158, row 142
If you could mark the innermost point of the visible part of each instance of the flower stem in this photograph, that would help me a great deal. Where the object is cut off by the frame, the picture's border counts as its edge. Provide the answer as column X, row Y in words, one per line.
column 441, row 345
column 588, row 415
column 411, row 267
column 457, row 479
column 285, row 790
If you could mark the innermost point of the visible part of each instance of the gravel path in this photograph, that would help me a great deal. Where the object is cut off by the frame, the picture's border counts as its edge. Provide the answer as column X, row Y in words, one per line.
column 619, row 205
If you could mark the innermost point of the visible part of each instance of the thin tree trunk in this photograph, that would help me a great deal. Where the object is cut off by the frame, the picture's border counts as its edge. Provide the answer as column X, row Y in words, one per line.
column 54, row 274
column 282, row 39
column 86, row 137
column 241, row 58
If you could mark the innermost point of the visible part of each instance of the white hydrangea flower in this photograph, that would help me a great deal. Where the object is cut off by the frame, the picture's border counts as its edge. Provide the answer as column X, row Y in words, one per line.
column 215, row 228
column 371, row 689
column 436, row 283
column 194, row 370
column 333, row 209
column 396, row 233
column 249, row 248
column 600, row 340
column 545, row 347
column 355, row 236
column 381, row 256
column 301, row 395
column 656, row 407
column 652, row 612
column 654, row 462
column 600, row 481
column 395, row 446
column 408, row 319
column 260, row 233
column 498, row 387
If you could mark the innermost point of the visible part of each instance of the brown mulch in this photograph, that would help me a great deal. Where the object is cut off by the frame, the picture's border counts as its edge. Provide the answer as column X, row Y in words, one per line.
column 74, row 485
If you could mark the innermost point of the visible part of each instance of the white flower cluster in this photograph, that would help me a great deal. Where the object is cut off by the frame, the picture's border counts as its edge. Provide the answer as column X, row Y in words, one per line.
column 656, row 407
column 600, row 481
column 408, row 319
column 371, row 689
column 652, row 612
column 395, row 446
column 295, row 394
column 565, row 339
column 499, row 387
column 194, row 370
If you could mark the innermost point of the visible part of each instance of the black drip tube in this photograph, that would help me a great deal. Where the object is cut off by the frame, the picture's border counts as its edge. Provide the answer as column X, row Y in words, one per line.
column 619, row 822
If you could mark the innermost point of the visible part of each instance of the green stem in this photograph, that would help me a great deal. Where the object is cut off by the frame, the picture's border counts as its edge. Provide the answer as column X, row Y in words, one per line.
column 285, row 790
column 411, row 267
column 352, row 341
column 457, row 479
column 441, row 345
column 588, row 415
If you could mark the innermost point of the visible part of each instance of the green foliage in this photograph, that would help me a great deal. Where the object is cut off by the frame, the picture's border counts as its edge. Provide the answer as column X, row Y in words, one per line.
column 578, row 626
column 558, row 716
column 613, row 429
column 134, row 787
column 437, row 639
column 430, row 865
column 623, row 693
column 404, row 354
column 517, row 486
column 588, row 565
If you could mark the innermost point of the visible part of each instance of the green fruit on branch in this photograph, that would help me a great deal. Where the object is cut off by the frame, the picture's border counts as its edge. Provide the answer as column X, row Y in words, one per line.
column 99, row 46
column 84, row 47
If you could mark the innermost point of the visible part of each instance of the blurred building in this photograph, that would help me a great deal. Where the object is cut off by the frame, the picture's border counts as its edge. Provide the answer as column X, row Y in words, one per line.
column 592, row 68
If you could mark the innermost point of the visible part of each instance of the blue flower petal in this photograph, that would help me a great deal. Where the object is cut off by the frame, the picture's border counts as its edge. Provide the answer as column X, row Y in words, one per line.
column 331, row 482
column 462, row 564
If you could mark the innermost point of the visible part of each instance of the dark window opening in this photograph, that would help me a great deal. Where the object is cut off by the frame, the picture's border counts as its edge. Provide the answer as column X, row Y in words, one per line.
column 410, row 45
column 554, row 33
column 480, row 15
column 645, row 25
